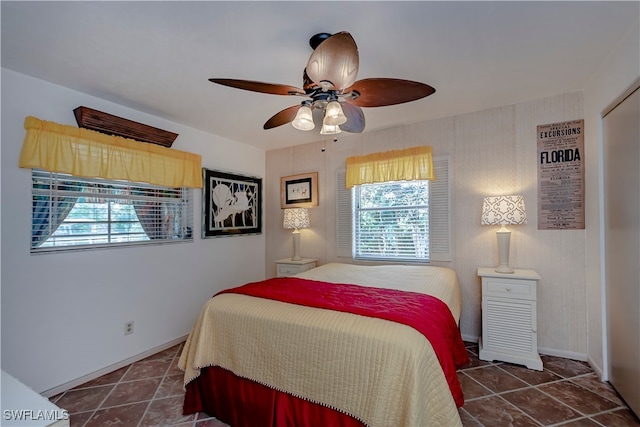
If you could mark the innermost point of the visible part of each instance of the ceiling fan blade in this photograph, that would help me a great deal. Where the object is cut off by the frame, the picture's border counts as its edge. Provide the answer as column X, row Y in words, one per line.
column 380, row 92
column 335, row 61
column 355, row 118
column 272, row 88
column 282, row 117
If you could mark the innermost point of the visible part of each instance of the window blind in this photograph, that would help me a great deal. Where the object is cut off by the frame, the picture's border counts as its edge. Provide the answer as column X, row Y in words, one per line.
column 75, row 213
column 439, row 213
column 391, row 221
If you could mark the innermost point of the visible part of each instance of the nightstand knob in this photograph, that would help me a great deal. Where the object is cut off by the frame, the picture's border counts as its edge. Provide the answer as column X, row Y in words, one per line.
column 508, row 289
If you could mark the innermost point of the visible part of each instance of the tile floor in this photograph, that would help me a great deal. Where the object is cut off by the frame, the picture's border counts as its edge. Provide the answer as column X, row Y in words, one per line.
column 145, row 393
column 567, row 393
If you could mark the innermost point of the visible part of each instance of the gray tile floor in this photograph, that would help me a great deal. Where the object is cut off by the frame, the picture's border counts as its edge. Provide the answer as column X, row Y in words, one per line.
column 567, row 392
column 145, row 393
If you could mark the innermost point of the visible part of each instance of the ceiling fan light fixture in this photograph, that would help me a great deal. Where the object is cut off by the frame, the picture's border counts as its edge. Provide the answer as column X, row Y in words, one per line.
column 330, row 129
column 304, row 119
column 335, row 98
column 334, row 115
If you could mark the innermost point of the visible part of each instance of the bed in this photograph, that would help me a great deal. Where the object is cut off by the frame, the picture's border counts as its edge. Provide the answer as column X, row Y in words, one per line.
column 340, row 345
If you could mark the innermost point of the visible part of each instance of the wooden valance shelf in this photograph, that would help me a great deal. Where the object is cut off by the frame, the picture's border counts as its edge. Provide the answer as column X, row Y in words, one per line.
column 106, row 123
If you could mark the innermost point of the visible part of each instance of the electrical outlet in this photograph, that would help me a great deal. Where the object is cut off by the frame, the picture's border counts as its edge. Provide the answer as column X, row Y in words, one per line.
column 128, row 328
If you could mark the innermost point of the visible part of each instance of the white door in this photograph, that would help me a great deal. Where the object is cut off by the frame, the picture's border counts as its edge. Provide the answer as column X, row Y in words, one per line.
column 621, row 132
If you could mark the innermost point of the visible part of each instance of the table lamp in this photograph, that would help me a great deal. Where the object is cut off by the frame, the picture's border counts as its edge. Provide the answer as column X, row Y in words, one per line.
column 296, row 218
column 503, row 210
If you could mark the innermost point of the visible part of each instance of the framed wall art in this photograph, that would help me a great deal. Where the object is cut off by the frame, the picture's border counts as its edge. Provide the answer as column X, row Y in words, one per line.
column 299, row 191
column 561, row 165
column 231, row 204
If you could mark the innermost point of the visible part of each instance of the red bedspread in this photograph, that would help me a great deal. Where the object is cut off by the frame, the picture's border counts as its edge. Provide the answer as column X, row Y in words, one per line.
column 427, row 314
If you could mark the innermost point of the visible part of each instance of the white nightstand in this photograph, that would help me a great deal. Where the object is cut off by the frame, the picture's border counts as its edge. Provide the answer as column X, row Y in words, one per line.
column 287, row 267
column 509, row 320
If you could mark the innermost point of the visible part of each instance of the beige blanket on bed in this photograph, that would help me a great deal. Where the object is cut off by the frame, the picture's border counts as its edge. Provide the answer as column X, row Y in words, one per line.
column 381, row 372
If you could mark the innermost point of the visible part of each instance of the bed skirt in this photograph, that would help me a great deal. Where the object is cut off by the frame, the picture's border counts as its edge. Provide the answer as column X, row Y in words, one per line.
column 240, row 402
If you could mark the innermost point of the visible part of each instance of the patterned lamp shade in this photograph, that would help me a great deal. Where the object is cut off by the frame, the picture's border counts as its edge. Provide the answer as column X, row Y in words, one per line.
column 296, row 218
column 503, row 210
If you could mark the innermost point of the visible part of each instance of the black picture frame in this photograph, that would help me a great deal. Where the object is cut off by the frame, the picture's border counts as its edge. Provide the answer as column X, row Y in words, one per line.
column 231, row 204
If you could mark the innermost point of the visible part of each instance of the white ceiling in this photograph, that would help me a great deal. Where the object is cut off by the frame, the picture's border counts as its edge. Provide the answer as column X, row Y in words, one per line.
column 157, row 57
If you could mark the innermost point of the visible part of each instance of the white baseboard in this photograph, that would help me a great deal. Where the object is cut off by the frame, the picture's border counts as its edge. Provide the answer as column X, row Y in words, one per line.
column 548, row 351
column 563, row 353
column 74, row 383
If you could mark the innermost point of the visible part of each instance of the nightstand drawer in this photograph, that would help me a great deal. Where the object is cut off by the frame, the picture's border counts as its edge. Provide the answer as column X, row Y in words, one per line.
column 289, row 270
column 287, row 267
column 507, row 288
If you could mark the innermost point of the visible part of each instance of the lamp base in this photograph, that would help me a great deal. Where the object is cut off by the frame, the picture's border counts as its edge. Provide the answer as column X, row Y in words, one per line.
column 296, row 246
column 504, row 238
column 504, row 269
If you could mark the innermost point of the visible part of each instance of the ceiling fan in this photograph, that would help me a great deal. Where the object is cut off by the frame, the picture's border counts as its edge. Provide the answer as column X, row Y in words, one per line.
column 334, row 96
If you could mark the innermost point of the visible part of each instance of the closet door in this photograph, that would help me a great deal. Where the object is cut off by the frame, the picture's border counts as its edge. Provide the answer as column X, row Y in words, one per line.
column 621, row 127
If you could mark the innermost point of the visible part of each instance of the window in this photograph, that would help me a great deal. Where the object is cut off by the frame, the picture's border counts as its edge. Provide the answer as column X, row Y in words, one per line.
column 391, row 221
column 69, row 212
column 395, row 221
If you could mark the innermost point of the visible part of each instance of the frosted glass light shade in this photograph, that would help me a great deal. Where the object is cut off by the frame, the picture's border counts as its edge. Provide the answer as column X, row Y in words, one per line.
column 304, row 119
column 334, row 115
column 330, row 130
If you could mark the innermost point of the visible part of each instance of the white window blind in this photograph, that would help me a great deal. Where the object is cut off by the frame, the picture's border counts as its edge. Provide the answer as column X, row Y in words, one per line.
column 438, row 226
column 69, row 212
column 391, row 221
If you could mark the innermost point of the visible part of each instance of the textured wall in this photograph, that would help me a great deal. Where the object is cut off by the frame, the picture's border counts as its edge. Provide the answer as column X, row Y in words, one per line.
column 493, row 152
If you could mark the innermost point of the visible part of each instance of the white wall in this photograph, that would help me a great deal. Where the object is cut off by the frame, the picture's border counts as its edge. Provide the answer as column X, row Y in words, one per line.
column 493, row 152
column 63, row 314
column 617, row 72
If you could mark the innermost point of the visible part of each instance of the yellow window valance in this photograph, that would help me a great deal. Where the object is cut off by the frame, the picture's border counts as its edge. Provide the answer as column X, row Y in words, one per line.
column 397, row 165
column 83, row 152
